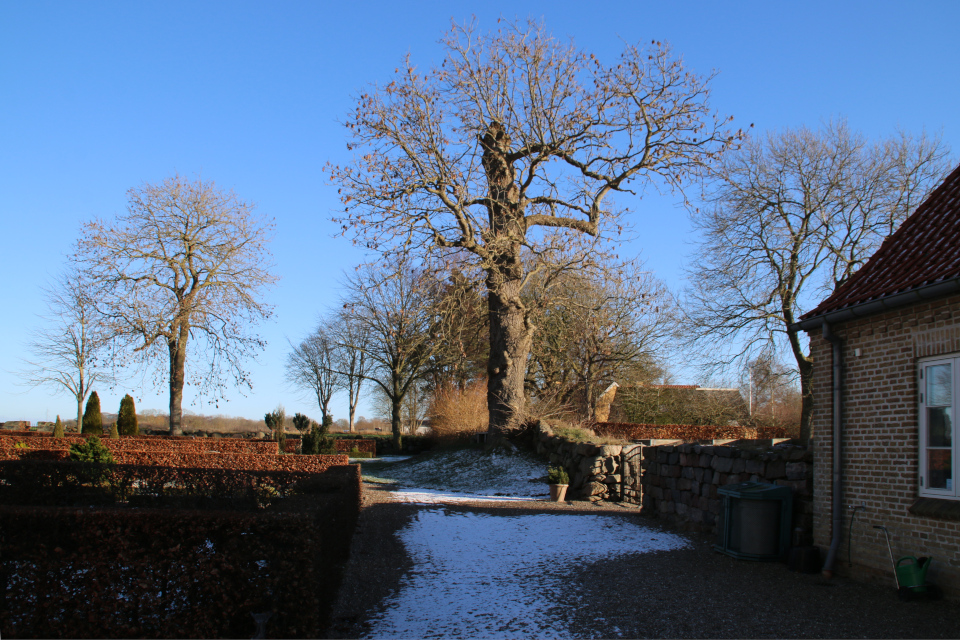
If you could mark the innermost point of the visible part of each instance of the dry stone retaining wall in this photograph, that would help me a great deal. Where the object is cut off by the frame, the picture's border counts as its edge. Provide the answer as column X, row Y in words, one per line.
column 679, row 482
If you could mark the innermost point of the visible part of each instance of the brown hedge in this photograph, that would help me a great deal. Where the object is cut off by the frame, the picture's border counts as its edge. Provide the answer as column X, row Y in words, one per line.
column 631, row 431
column 157, row 573
column 148, row 443
column 345, row 445
column 251, row 462
column 44, row 483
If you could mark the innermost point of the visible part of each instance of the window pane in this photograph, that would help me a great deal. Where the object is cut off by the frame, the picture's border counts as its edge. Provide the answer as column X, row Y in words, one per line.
column 939, row 427
column 939, row 385
column 939, row 469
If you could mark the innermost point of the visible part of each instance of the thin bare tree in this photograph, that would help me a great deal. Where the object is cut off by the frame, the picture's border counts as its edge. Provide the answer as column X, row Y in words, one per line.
column 311, row 366
column 789, row 217
column 513, row 143
column 351, row 342
column 394, row 312
column 182, row 271
column 69, row 349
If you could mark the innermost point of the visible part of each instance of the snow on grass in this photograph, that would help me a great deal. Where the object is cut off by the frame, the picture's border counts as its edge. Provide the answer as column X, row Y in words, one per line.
column 478, row 575
column 464, row 474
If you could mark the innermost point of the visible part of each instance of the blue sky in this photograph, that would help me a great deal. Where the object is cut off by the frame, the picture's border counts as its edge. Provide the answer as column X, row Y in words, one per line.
column 96, row 98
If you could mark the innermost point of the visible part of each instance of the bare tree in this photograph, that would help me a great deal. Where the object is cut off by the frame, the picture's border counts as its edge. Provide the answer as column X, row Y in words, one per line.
column 788, row 218
column 394, row 313
column 608, row 324
column 182, row 271
column 351, row 343
column 68, row 349
column 311, row 366
column 516, row 141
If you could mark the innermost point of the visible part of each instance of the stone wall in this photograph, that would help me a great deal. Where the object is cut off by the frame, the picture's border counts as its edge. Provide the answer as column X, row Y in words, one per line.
column 680, row 482
column 597, row 472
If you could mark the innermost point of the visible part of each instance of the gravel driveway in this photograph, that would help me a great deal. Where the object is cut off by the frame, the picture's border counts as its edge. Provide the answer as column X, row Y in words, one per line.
column 690, row 592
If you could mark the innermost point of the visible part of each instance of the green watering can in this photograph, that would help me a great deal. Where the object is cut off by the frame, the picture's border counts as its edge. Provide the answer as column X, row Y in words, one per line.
column 912, row 573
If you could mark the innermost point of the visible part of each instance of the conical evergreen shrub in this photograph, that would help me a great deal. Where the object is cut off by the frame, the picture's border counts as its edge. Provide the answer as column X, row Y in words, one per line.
column 114, row 434
column 92, row 420
column 58, row 428
column 127, row 417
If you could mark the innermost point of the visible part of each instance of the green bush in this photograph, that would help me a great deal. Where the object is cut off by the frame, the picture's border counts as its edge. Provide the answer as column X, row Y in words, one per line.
column 91, row 451
column 356, row 453
column 97, row 456
column 127, row 417
column 557, row 475
column 114, row 433
column 21, row 445
column 92, row 420
column 58, row 428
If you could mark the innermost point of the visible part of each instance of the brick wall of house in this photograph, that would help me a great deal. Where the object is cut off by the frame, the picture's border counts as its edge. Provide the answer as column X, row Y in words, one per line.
column 880, row 441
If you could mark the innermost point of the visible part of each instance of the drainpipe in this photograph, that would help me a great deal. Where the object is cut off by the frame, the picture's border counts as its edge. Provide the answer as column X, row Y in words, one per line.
column 837, row 451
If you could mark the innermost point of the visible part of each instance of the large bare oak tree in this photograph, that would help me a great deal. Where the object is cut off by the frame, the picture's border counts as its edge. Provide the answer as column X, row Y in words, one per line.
column 790, row 216
column 514, row 136
column 182, row 271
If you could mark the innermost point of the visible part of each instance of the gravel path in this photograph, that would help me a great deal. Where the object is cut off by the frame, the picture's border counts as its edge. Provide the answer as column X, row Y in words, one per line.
column 689, row 592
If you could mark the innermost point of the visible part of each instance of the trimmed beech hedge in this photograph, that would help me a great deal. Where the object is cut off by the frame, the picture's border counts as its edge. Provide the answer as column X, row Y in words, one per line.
column 630, row 431
column 72, row 484
column 147, row 443
column 210, row 460
column 346, row 445
column 126, row 572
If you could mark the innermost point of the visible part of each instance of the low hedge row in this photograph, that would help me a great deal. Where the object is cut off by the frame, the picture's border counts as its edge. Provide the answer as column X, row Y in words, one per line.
column 346, row 445
column 208, row 460
column 631, row 431
column 44, row 483
column 158, row 573
column 150, row 443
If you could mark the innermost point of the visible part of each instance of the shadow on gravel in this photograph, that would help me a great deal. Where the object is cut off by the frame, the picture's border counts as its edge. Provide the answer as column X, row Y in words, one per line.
column 688, row 593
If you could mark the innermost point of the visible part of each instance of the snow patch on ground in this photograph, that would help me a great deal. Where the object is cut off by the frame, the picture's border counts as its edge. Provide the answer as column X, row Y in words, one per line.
column 482, row 474
column 493, row 576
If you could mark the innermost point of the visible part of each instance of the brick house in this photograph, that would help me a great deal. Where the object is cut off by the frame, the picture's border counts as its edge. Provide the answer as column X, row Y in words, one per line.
column 886, row 348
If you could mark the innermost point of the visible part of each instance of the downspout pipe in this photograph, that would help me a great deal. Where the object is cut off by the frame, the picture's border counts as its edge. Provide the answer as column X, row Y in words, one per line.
column 836, row 502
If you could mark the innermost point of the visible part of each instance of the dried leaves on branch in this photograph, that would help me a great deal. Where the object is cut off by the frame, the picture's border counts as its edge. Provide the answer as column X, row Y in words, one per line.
column 184, row 270
column 514, row 135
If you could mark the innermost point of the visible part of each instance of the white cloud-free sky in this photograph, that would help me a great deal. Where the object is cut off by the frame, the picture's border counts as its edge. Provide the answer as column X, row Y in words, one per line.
column 99, row 97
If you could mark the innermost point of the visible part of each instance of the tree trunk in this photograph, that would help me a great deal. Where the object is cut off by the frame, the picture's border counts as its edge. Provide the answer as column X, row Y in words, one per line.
column 510, row 330
column 395, row 416
column 178, row 359
column 510, row 342
column 79, row 414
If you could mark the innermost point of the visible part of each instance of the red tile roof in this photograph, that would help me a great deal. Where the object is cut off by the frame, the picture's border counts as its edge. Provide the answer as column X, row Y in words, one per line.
column 924, row 250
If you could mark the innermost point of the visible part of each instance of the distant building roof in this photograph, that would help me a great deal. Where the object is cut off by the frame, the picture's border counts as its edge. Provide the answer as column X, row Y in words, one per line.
column 924, row 251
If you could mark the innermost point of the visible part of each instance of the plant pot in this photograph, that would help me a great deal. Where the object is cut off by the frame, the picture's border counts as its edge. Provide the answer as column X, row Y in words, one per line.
column 558, row 492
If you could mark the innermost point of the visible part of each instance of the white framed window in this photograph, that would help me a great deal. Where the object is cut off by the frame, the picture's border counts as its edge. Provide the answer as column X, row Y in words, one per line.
column 939, row 403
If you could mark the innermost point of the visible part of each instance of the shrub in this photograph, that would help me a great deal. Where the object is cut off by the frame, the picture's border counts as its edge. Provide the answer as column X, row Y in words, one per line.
column 325, row 443
column 91, row 451
column 21, row 445
column 275, row 422
column 457, row 414
column 92, row 420
column 557, row 475
column 58, row 428
column 127, row 417
column 114, row 433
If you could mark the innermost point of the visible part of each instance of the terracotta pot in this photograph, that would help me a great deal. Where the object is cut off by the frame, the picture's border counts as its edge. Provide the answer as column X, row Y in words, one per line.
column 558, row 492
